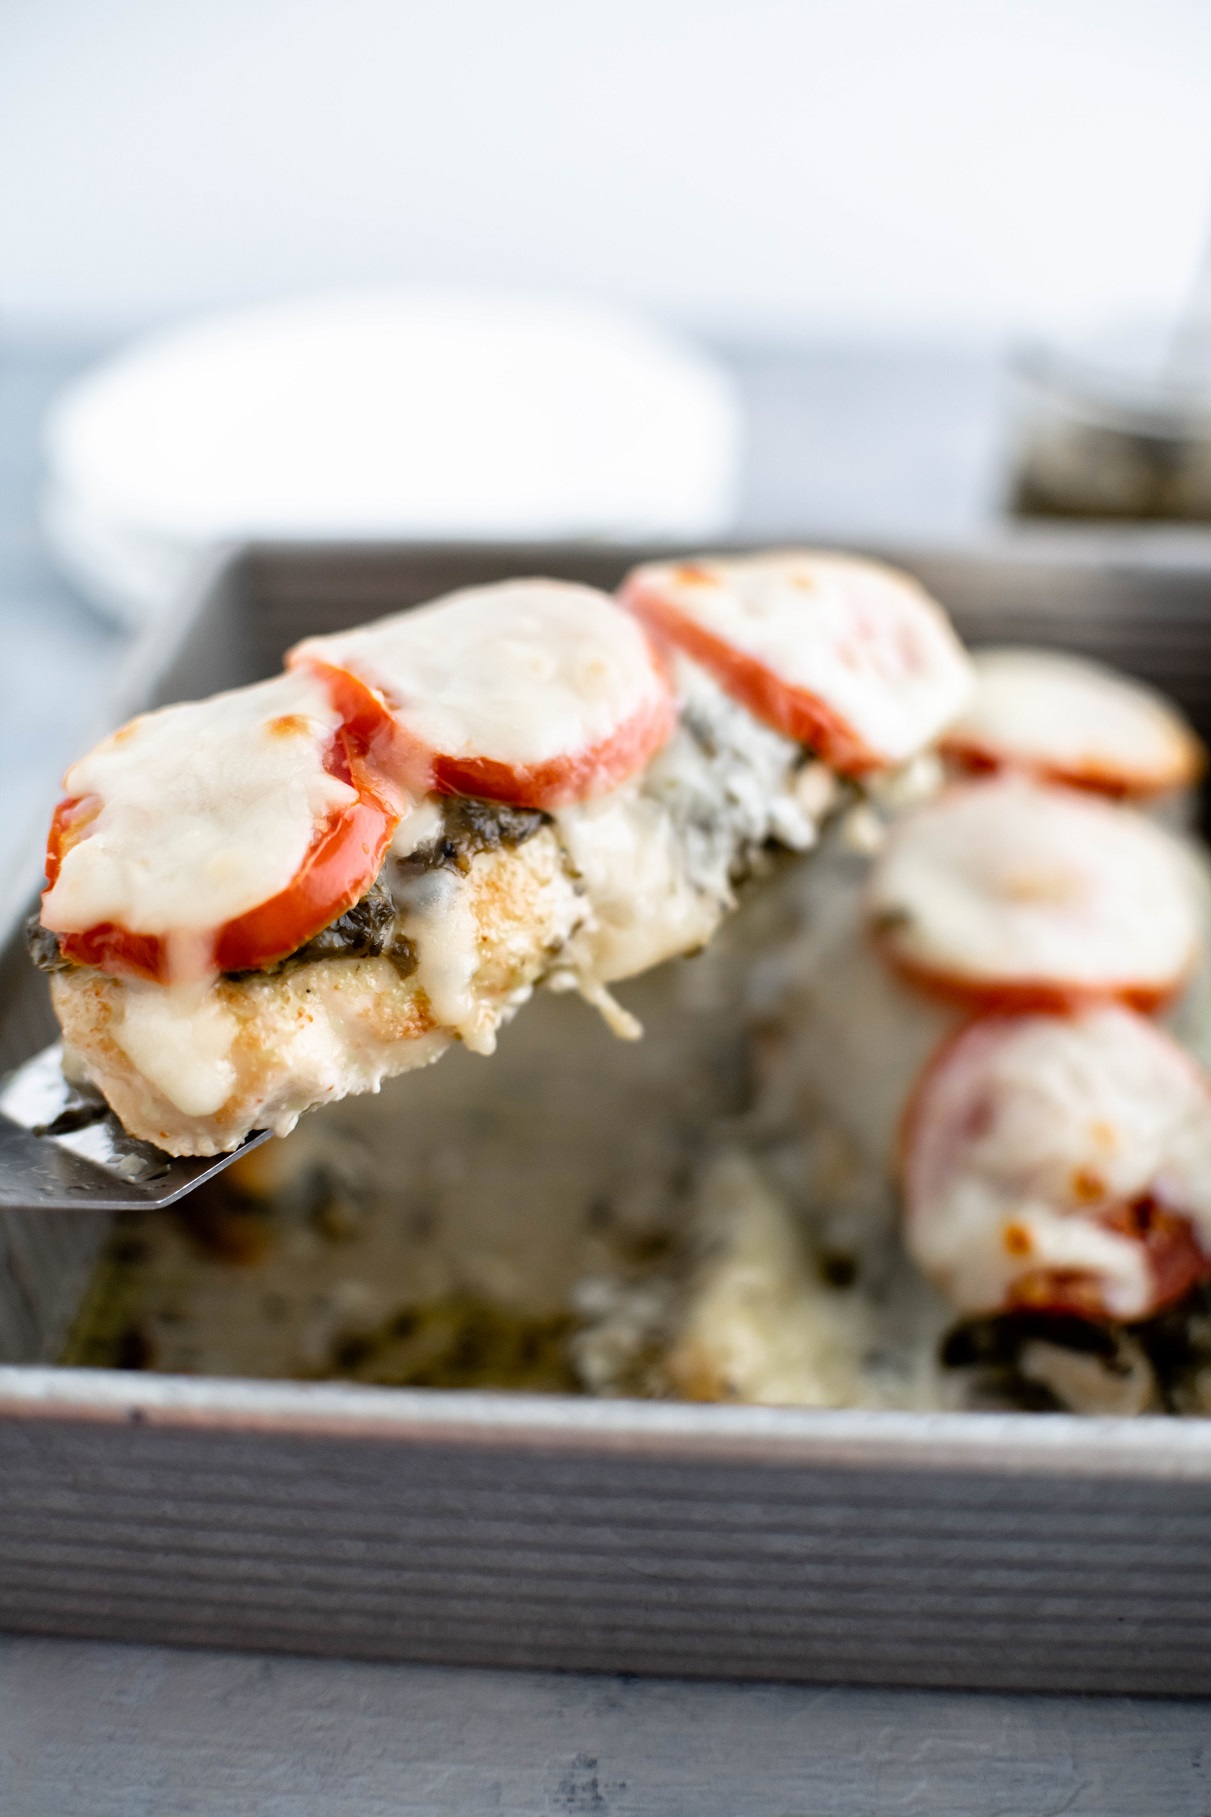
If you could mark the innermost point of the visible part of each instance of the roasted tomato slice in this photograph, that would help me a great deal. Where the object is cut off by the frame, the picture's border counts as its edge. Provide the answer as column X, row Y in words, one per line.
column 347, row 856
column 1011, row 894
column 1065, row 719
column 533, row 692
column 1060, row 1164
column 192, row 812
column 848, row 657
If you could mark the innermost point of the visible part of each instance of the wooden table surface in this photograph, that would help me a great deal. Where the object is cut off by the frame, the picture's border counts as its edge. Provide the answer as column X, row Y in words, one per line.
column 856, row 444
column 101, row 1731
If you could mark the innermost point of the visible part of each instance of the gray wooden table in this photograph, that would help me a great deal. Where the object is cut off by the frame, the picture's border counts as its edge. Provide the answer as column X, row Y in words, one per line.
column 859, row 445
column 99, row 1731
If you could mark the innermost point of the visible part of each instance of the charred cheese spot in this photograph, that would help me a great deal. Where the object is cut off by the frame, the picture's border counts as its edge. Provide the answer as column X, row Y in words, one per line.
column 288, row 725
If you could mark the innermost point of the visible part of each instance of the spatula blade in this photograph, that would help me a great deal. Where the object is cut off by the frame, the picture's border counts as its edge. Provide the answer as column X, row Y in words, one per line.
column 62, row 1149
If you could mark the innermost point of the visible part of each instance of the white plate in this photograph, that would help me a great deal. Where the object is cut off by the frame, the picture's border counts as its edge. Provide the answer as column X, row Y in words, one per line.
column 419, row 415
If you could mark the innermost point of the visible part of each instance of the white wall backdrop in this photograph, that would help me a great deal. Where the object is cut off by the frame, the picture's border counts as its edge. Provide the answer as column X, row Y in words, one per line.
column 950, row 167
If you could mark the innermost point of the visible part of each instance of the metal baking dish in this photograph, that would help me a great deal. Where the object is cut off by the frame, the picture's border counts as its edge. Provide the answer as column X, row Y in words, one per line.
column 994, row 1550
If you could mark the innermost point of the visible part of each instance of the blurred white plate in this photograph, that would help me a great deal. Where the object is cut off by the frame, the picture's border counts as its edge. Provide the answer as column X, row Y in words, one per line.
column 418, row 415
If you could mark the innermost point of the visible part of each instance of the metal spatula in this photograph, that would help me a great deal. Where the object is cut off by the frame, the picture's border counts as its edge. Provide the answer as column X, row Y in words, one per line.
column 62, row 1149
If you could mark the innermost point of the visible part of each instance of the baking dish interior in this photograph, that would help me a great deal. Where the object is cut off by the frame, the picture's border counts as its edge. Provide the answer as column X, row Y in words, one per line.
column 433, row 1235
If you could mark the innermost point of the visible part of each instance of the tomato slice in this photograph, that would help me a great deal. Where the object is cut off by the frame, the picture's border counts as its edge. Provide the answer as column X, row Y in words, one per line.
column 345, row 857
column 364, row 713
column 1067, row 720
column 1173, row 1258
column 69, row 824
column 845, row 656
column 1060, row 1164
column 575, row 776
column 532, row 692
column 807, row 719
column 1010, row 894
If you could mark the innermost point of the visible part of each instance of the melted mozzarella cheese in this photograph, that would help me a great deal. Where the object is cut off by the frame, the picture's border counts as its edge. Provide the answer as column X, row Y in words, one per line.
column 864, row 640
column 656, row 858
column 1074, row 719
column 435, row 912
column 644, row 906
column 205, row 811
column 180, row 1037
column 523, row 673
column 759, row 1325
column 1027, row 1128
column 421, row 824
column 1007, row 882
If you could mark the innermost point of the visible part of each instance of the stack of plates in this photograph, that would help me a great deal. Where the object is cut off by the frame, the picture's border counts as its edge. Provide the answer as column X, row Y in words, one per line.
column 412, row 415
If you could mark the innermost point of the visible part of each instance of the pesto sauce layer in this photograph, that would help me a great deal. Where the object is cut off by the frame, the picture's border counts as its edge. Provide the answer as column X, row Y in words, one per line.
column 370, row 928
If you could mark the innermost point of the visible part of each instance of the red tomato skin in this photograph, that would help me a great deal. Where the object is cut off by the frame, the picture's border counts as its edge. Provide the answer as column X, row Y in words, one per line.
column 976, row 760
column 1176, row 1260
column 336, row 873
column 342, row 863
column 564, row 780
column 67, row 827
column 792, row 711
column 112, row 949
column 1023, row 995
column 365, row 715
column 554, row 784
column 1176, row 1263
